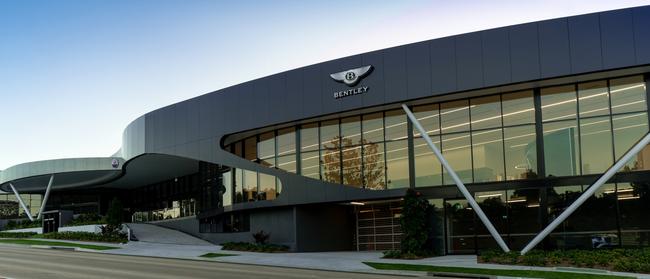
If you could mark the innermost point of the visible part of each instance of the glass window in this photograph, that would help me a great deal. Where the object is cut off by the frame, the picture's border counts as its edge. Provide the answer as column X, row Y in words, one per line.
column 561, row 148
column 309, row 137
column 558, row 103
column 485, row 112
column 596, row 145
column 628, row 94
column 266, row 149
column 518, row 108
column 593, row 98
column 287, row 163
column 351, row 131
column 373, row 128
column 374, row 166
column 634, row 204
column 309, row 164
column 523, row 216
column 267, row 187
column 456, row 149
column 454, row 116
column 226, row 179
column 429, row 118
column 395, row 125
column 493, row 204
column 428, row 170
column 329, row 134
column 487, row 154
column 352, row 166
column 628, row 129
column 331, row 163
column 250, row 185
column 239, row 186
column 250, row 149
column 397, row 164
column 239, row 149
column 286, row 141
column 520, row 152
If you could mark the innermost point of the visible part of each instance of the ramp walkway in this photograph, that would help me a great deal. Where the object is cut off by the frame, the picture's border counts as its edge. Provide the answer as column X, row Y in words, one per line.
column 158, row 234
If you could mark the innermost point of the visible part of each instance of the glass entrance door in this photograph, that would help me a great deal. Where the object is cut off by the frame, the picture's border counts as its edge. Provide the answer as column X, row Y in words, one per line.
column 460, row 228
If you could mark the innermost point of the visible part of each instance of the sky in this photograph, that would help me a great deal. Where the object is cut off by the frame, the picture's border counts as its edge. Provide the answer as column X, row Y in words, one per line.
column 75, row 73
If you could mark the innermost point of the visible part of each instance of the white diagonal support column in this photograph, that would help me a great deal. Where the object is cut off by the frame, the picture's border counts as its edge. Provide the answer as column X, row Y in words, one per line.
column 459, row 184
column 588, row 193
column 47, row 195
column 22, row 203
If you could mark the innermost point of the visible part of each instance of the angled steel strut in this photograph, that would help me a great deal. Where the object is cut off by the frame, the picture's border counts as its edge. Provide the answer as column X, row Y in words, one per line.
column 456, row 179
column 24, row 206
column 588, row 193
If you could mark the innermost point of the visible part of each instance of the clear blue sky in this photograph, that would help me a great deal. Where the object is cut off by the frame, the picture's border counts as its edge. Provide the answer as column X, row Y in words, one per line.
column 73, row 74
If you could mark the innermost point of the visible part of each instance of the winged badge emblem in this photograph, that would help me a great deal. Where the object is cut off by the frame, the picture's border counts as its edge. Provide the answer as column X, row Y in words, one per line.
column 353, row 76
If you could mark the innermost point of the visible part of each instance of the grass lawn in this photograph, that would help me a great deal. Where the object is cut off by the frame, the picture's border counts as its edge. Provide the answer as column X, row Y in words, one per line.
column 485, row 271
column 216, row 255
column 55, row 243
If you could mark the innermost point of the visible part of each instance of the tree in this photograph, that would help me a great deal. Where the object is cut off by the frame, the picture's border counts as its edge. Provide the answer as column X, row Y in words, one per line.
column 113, row 218
column 416, row 224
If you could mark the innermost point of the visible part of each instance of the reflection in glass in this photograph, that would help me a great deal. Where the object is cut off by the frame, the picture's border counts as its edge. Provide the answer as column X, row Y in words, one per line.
column 250, row 149
column 226, row 179
column 397, row 165
column 429, row 118
column 287, row 163
column 374, row 166
column 351, row 130
column 286, row 141
column 561, row 148
column 593, row 98
column 634, row 205
column 250, row 185
column 309, row 164
column 487, row 151
column 329, row 133
column 493, row 204
column 373, row 128
column 518, row 108
column 456, row 149
column 460, row 227
column 352, row 165
column 558, row 103
column 485, row 112
column 628, row 129
column 428, row 170
column 523, row 215
column 628, row 94
column 396, row 127
column 454, row 116
column 239, row 185
column 520, row 152
column 596, row 145
column 267, row 187
column 266, row 149
column 309, row 137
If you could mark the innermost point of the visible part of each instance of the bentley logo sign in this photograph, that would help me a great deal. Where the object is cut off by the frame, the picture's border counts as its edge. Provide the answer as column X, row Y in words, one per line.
column 351, row 78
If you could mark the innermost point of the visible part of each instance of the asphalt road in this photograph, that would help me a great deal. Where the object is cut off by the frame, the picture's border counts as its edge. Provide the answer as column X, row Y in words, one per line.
column 19, row 262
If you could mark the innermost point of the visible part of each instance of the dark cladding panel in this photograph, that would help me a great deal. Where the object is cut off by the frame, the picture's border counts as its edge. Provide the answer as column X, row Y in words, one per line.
column 617, row 39
column 375, row 80
column 278, row 108
column 584, row 36
column 642, row 34
column 312, row 91
column 192, row 115
column 246, row 107
column 524, row 51
column 294, row 94
column 418, row 69
column 261, row 101
column 180, row 123
column 554, row 52
column 228, row 103
column 469, row 61
column 443, row 65
column 395, row 74
column 149, row 127
column 206, row 123
column 496, row 57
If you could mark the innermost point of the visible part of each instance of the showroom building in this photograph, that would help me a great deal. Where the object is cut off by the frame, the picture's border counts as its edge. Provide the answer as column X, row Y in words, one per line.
column 527, row 115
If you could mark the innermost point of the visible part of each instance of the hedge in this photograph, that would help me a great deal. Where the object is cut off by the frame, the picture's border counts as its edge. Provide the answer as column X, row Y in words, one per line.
column 253, row 247
column 86, row 236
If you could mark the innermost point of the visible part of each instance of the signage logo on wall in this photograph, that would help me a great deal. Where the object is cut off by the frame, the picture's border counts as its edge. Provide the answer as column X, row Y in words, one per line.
column 115, row 163
column 351, row 77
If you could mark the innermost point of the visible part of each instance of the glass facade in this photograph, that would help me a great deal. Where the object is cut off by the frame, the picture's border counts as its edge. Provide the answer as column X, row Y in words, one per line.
column 10, row 208
column 585, row 128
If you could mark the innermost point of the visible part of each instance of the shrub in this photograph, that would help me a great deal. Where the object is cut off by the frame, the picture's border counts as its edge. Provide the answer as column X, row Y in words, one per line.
column 17, row 234
column 22, row 224
column 87, row 219
column 415, row 221
column 261, row 237
column 113, row 219
column 86, row 236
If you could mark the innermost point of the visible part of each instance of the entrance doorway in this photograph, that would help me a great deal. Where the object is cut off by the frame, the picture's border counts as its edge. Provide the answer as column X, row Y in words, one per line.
column 378, row 226
column 459, row 227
